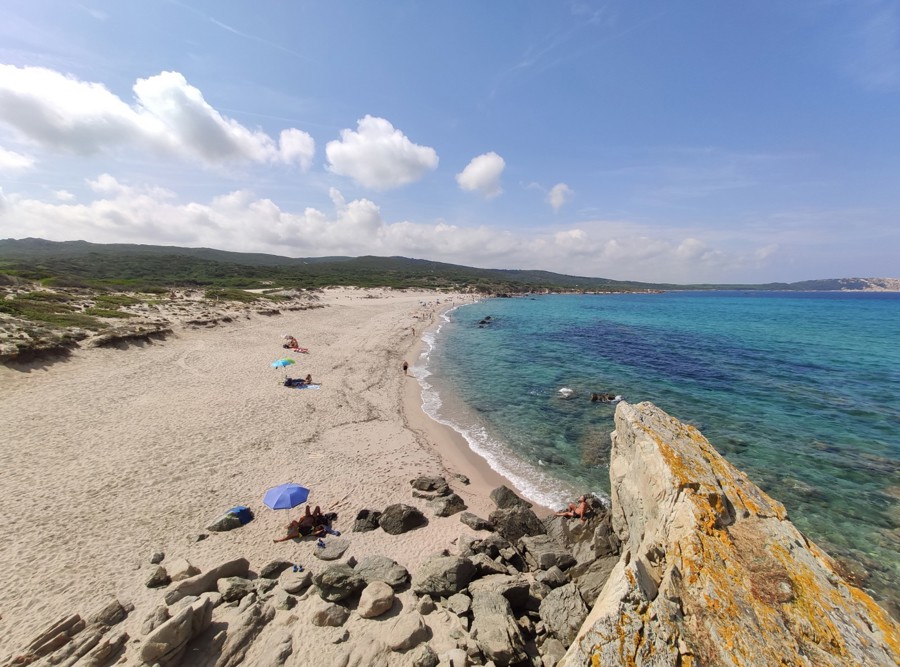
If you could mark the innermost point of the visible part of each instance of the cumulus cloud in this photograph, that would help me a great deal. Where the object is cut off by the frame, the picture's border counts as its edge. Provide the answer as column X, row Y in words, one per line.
column 482, row 175
column 115, row 211
column 64, row 114
column 379, row 156
column 297, row 146
column 12, row 161
column 559, row 195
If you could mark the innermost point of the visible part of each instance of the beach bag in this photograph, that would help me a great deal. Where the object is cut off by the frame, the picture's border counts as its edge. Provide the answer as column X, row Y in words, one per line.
column 244, row 514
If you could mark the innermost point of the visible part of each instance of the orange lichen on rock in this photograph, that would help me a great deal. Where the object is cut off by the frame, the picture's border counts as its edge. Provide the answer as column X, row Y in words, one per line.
column 734, row 582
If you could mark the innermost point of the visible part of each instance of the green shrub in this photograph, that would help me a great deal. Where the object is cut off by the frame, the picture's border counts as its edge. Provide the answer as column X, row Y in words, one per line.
column 50, row 308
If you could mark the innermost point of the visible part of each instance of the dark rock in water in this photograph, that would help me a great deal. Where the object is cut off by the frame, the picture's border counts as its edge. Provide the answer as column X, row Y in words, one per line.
column 603, row 398
column 366, row 520
column 400, row 518
column 516, row 522
column 475, row 522
column 505, row 498
column 437, row 485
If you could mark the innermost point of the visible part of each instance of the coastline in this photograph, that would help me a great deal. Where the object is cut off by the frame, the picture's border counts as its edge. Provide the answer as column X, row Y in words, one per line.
column 117, row 455
column 451, row 447
column 113, row 454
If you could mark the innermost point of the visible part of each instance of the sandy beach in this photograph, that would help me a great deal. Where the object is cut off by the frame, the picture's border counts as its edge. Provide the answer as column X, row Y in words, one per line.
column 116, row 453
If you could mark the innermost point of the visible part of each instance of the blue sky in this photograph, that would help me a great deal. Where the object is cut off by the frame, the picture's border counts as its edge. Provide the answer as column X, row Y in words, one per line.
column 683, row 141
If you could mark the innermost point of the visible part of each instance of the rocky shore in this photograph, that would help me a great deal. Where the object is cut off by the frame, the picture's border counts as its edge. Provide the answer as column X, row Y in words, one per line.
column 691, row 565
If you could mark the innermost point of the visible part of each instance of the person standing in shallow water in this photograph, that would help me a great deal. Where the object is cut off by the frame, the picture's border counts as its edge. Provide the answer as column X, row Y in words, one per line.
column 405, row 368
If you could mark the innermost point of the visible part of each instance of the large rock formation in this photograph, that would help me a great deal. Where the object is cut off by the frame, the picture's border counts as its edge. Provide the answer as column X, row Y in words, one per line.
column 712, row 572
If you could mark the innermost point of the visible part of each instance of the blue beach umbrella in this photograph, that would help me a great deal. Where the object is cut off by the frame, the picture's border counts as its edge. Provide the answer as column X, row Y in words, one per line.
column 285, row 496
column 281, row 363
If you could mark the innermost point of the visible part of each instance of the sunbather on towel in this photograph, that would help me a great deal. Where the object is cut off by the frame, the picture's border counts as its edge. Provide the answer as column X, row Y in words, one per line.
column 312, row 523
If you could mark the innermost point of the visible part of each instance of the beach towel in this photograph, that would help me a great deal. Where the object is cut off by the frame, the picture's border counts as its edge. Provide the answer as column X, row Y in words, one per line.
column 308, row 386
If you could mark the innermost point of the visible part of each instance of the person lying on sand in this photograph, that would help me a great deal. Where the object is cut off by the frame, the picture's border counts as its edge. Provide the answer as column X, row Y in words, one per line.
column 579, row 509
column 292, row 344
column 312, row 523
column 298, row 382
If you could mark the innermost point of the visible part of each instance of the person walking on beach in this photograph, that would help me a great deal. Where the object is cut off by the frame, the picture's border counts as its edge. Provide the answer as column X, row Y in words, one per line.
column 405, row 368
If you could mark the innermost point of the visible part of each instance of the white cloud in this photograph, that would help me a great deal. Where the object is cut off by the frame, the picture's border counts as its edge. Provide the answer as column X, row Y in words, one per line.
column 559, row 195
column 379, row 156
column 297, row 146
column 482, row 175
column 119, row 212
column 63, row 195
column 64, row 114
column 12, row 161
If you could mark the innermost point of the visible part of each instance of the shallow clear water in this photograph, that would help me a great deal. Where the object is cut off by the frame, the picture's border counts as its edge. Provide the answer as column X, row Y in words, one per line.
column 799, row 390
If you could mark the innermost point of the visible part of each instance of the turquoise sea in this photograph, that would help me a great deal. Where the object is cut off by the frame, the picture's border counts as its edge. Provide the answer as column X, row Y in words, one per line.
column 799, row 390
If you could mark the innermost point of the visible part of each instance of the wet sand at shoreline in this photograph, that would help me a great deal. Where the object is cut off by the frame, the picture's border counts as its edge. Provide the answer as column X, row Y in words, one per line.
column 114, row 454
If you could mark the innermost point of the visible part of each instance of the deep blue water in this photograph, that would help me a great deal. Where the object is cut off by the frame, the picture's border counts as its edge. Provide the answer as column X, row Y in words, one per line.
column 799, row 390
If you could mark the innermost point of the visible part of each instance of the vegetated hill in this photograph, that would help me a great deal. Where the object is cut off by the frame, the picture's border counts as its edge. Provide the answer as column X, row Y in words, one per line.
column 132, row 266
column 125, row 266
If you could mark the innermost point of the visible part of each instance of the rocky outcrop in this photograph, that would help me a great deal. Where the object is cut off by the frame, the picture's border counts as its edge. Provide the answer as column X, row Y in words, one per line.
column 711, row 570
column 481, row 607
column 710, row 573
